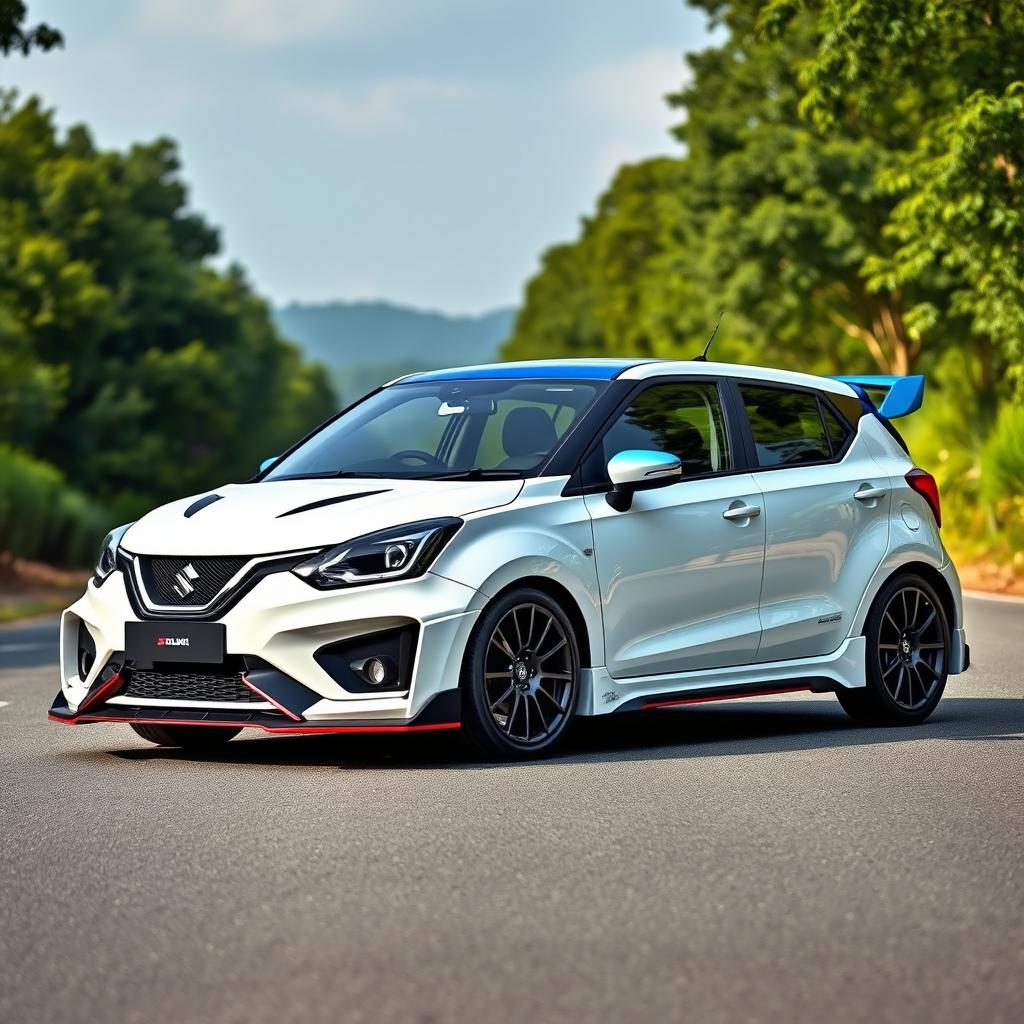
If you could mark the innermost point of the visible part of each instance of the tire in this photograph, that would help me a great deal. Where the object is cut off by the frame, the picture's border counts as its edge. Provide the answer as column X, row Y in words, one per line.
column 192, row 736
column 520, row 678
column 908, row 649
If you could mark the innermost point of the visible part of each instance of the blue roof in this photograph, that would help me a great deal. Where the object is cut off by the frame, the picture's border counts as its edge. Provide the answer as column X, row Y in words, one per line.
column 546, row 369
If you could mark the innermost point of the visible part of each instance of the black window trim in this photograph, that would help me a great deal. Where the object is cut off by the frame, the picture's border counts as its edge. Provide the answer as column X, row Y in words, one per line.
column 736, row 383
column 738, row 454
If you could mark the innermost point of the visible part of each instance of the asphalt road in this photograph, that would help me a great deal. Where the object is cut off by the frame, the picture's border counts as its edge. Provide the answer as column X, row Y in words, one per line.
column 752, row 861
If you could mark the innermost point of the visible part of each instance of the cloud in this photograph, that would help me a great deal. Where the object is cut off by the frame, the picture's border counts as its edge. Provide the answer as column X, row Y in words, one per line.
column 632, row 89
column 249, row 22
column 386, row 103
column 627, row 98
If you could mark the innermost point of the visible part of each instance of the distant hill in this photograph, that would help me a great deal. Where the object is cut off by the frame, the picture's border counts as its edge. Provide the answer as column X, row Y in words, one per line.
column 367, row 343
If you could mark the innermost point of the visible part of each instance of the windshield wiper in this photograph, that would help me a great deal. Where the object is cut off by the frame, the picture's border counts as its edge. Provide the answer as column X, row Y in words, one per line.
column 476, row 474
column 342, row 474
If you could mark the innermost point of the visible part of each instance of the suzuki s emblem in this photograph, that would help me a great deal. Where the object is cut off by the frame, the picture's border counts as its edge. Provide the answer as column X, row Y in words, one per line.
column 184, row 585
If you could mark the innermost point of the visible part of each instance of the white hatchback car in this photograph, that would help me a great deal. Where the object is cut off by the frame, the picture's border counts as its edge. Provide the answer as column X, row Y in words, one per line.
column 499, row 549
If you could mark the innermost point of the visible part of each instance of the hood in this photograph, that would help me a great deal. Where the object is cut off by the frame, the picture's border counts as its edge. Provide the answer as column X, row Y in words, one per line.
column 290, row 515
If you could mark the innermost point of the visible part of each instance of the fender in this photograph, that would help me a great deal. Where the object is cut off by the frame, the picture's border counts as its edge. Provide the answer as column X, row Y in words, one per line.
column 549, row 536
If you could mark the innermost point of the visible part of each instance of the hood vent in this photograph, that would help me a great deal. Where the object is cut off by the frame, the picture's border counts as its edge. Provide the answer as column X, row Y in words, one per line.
column 198, row 506
column 330, row 501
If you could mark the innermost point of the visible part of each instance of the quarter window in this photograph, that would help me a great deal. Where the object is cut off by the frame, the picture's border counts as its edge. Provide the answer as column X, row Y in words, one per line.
column 787, row 426
column 838, row 432
column 684, row 420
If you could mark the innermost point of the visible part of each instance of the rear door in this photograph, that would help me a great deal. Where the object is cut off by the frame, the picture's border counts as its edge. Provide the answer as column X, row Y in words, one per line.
column 680, row 571
column 826, row 509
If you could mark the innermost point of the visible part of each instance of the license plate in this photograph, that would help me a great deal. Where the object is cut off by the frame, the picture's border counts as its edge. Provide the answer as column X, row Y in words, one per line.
column 146, row 642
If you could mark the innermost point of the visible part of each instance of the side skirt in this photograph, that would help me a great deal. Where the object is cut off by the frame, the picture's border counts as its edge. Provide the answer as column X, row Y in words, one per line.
column 843, row 668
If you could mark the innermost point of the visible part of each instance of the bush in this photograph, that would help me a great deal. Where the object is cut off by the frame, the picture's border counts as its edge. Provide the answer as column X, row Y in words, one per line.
column 1002, row 480
column 41, row 517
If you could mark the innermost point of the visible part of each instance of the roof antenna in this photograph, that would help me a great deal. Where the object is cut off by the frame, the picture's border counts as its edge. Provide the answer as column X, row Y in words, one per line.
column 703, row 357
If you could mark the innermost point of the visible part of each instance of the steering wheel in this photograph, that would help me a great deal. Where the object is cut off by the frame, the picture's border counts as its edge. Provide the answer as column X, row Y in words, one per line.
column 420, row 456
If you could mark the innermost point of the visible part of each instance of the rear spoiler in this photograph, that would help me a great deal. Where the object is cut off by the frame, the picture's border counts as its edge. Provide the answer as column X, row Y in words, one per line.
column 891, row 396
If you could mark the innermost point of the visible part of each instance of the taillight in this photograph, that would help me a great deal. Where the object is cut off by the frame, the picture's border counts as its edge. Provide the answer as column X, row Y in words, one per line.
column 925, row 485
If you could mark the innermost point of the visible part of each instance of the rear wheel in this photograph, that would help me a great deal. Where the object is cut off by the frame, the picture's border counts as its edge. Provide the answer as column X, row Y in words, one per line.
column 908, row 645
column 193, row 736
column 520, row 677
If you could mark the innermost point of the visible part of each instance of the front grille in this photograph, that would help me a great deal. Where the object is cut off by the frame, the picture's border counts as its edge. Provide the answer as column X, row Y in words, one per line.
column 222, row 686
column 167, row 579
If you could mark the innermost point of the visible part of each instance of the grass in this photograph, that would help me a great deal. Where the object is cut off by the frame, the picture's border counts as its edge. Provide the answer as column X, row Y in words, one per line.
column 14, row 608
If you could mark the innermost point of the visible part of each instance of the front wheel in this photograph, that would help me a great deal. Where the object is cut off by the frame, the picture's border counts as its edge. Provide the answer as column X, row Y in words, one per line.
column 521, row 676
column 193, row 736
column 908, row 646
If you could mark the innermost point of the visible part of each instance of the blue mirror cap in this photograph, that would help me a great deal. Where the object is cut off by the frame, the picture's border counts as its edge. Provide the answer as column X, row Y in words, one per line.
column 637, row 466
column 267, row 463
column 903, row 395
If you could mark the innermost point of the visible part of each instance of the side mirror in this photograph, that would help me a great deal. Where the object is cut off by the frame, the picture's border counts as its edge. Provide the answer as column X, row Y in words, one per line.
column 267, row 463
column 634, row 471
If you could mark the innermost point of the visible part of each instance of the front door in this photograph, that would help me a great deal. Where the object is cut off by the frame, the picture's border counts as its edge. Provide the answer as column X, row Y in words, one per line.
column 680, row 571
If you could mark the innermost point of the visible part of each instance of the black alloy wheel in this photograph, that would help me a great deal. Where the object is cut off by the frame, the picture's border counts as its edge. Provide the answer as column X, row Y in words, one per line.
column 521, row 679
column 908, row 649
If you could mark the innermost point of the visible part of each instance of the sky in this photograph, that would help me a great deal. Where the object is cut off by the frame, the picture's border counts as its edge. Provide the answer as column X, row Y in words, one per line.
column 421, row 151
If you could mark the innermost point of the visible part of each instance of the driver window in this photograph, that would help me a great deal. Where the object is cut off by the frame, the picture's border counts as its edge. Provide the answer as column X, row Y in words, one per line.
column 684, row 420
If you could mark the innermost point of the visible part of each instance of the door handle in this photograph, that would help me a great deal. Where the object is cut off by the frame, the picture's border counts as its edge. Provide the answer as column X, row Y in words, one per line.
column 742, row 512
column 870, row 493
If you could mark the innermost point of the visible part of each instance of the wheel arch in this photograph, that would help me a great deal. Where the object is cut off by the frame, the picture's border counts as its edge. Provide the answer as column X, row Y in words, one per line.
column 565, row 600
column 928, row 573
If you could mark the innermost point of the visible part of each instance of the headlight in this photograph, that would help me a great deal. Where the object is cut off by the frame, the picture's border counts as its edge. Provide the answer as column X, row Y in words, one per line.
column 399, row 553
column 106, row 563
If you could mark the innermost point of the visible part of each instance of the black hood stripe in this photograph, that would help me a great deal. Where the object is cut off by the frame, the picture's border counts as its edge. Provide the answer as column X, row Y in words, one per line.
column 331, row 501
column 198, row 506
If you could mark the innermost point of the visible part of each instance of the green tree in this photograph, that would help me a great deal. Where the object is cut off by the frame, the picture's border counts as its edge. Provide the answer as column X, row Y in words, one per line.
column 15, row 36
column 960, row 184
column 765, row 215
column 130, row 362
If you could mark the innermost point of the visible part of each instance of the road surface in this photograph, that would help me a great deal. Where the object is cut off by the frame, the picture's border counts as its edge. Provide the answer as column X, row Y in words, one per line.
column 753, row 861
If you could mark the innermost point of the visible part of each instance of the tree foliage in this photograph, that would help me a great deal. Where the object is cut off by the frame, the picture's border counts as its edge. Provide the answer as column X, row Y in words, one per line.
column 127, row 360
column 766, row 216
column 16, row 37
column 961, row 181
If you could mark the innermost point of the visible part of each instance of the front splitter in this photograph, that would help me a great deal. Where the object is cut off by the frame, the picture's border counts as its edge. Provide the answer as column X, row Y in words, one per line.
column 440, row 714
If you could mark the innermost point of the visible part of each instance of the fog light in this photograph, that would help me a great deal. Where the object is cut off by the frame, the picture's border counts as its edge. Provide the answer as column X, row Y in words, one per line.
column 86, row 659
column 377, row 671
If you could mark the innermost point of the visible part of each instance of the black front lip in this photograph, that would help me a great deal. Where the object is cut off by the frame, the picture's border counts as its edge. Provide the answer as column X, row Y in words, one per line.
column 441, row 713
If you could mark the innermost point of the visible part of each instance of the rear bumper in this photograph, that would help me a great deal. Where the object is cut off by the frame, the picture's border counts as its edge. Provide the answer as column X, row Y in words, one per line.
column 960, row 655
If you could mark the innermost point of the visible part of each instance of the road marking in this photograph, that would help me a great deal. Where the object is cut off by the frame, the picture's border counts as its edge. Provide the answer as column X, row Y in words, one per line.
column 983, row 595
column 23, row 647
column 4, row 703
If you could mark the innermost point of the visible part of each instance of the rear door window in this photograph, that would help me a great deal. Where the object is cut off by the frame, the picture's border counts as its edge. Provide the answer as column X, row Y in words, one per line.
column 787, row 425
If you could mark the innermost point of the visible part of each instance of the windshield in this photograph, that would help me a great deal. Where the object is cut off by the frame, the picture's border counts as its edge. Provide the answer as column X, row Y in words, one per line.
column 444, row 430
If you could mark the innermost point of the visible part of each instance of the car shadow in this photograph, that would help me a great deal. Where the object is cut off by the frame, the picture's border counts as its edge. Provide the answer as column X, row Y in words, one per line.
column 695, row 731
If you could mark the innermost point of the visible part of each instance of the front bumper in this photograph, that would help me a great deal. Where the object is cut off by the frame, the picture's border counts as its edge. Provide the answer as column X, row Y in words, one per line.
column 277, row 628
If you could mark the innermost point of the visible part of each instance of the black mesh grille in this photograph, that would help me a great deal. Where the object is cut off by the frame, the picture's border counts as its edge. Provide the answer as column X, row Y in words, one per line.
column 167, row 579
column 227, row 686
